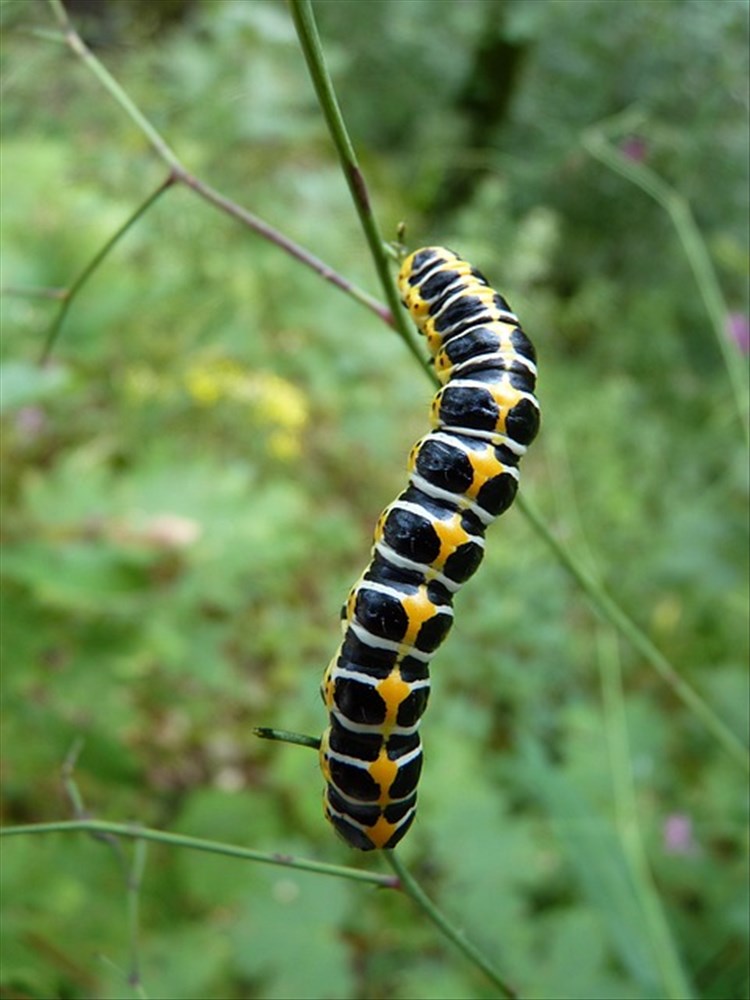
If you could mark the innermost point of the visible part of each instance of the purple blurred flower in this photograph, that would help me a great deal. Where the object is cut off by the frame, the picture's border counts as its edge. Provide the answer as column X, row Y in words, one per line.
column 31, row 421
column 738, row 330
column 634, row 148
column 678, row 834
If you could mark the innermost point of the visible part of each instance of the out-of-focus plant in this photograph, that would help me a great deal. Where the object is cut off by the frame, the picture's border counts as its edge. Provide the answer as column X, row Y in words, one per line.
column 191, row 484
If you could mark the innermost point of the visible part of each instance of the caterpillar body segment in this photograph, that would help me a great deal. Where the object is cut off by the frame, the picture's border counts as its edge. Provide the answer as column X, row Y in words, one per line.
column 417, row 534
column 428, row 542
column 500, row 346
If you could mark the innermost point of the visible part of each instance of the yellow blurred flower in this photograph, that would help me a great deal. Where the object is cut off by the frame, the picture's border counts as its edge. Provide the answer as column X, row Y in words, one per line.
column 285, row 446
column 271, row 399
column 213, row 379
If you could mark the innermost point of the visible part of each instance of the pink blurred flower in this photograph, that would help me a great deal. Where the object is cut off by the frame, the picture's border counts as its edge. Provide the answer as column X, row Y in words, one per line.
column 635, row 148
column 31, row 421
column 738, row 330
column 678, row 834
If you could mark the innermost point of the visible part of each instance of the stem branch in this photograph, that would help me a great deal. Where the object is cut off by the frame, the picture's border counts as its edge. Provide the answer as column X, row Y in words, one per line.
column 666, row 956
column 417, row 894
column 611, row 612
column 596, row 142
column 307, row 32
column 133, row 832
column 180, row 174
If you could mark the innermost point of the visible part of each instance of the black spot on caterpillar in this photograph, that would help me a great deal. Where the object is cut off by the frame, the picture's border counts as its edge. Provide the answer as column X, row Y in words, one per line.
column 428, row 542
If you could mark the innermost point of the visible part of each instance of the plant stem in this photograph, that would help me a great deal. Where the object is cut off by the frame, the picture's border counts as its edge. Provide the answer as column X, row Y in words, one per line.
column 307, row 32
column 268, row 232
column 133, row 871
column 611, row 612
column 84, row 53
column 133, row 832
column 70, row 787
column 70, row 293
column 135, row 880
column 180, row 174
column 690, row 237
column 412, row 888
column 666, row 956
column 284, row 736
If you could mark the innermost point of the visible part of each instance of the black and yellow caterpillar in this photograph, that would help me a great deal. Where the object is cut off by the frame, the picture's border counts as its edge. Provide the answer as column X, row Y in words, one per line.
column 428, row 542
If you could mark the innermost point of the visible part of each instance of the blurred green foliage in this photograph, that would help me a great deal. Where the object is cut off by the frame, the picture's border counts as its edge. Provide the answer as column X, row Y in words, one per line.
column 190, row 489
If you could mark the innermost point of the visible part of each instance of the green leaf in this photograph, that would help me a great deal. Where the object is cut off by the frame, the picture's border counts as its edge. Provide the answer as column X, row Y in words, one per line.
column 78, row 575
column 291, row 937
column 234, row 817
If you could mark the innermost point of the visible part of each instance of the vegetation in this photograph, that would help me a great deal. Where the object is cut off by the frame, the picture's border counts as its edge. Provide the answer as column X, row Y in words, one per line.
column 191, row 480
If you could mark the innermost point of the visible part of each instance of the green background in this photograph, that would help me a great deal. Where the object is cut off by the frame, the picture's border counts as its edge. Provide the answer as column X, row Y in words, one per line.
column 190, row 488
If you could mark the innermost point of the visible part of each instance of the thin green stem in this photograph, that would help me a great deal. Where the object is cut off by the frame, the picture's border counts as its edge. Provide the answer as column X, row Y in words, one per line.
column 70, row 293
column 284, row 736
column 133, row 871
column 80, row 48
column 307, row 32
column 139, row 991
column 69, row 783
column 690, row 237
column 135, row 880
column 612, row 613
column 666, row 956
column 407, row 881
column 412, row 889
column 95, row 826
column 180, row 174
column 70, row 787
column 263, row 229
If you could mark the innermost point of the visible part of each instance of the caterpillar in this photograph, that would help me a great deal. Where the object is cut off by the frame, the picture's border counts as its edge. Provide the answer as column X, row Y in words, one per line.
column 427, row 543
